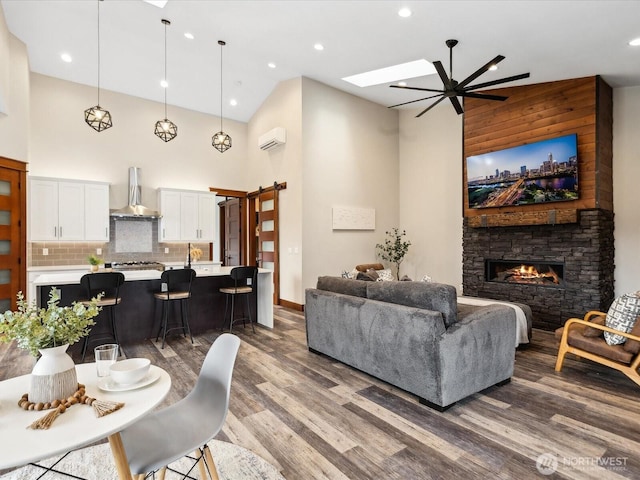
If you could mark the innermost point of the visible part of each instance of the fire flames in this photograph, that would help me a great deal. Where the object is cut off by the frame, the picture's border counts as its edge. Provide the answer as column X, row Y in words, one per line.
column 529, row 274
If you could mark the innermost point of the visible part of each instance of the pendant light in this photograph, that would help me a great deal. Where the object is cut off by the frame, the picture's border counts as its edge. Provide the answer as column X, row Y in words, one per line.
column 166, row 129
column 221, row 141
column 96, row 117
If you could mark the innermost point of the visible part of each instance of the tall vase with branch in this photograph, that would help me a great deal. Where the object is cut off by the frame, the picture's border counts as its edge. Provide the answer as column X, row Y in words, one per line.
column 394, row 248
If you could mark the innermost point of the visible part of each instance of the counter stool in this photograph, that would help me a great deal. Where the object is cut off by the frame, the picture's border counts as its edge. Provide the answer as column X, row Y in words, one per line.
column 107, row 283
column 241, row 286
column 176, row 286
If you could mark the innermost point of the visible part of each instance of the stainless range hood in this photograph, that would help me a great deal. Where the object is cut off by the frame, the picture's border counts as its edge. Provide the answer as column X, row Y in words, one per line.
column 135, row 209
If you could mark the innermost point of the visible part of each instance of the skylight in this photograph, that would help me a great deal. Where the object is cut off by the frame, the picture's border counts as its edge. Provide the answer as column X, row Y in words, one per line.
column 417, row 68
column 157, row 3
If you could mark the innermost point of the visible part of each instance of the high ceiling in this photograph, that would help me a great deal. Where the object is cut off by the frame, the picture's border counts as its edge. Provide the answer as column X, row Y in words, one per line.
column 553, row 40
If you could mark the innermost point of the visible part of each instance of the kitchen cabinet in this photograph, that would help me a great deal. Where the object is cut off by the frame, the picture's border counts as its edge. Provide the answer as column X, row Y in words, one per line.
column 68, row 210
column 187, row 216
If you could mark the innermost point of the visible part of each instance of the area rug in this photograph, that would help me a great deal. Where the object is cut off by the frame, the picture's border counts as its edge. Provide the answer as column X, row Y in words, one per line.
column 96, row 463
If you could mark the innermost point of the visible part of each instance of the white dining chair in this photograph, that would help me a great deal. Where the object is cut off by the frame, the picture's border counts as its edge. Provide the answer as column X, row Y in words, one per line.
column 165, row 436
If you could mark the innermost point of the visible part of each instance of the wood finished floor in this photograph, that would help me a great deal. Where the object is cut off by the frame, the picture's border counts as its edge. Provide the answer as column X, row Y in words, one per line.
column 314, row 418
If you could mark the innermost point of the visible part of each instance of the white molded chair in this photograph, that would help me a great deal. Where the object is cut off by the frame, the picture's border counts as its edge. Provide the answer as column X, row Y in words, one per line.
column 163, row 437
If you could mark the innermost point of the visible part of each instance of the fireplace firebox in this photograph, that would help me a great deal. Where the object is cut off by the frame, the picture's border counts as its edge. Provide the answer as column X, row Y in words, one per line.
column 549, row 274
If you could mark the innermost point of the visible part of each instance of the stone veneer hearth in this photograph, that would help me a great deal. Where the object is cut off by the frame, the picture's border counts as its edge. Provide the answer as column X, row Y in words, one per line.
column 585, row 248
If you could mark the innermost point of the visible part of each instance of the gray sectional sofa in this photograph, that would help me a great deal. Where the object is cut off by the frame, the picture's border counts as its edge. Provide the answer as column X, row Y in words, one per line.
column 411, row 335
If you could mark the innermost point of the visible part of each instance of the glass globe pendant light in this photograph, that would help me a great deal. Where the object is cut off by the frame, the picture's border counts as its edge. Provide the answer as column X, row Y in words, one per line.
column 221, row 141
column 166, row 129
column 97, row 117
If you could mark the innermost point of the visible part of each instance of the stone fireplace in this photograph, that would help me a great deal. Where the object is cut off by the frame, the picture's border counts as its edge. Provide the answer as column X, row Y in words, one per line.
column 556, row 257
column 580, row 254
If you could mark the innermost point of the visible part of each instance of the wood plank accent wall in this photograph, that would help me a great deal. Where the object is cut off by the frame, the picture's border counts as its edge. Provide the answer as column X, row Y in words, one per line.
column 537, row 112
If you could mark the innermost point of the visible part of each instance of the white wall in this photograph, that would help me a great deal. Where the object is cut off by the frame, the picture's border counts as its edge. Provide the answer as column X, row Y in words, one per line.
column 63, row 145
column 350, row 159
column 282, row 164
column 14, row 95
column 626, row 174
column 431, row 193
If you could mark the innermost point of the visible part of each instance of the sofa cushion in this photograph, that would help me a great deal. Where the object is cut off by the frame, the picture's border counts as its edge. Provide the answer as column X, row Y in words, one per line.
column 429, row 296
column 346, row 286
column 622, row 316
column 633, row 346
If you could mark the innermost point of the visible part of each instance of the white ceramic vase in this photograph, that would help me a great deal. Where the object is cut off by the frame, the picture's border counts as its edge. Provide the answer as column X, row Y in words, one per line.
column 54, row 376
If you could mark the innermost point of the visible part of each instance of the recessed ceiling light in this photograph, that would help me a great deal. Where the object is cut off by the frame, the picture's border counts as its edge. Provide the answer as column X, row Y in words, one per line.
column 635, row 42
column 405, row 12
column 319, row 47
column 66, row 57
column 233, row 102
column 417, row 68
column 164, row 84
column 493, row 67
column 271, row 65
column 402, row 84
column 189, row 35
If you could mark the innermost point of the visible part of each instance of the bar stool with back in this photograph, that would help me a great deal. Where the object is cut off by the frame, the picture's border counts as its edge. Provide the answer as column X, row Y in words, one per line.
column 241, row 286
column 176, row 286
column 108, row 283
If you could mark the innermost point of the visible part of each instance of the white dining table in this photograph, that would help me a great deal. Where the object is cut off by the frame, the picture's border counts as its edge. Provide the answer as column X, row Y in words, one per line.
column 79, row 425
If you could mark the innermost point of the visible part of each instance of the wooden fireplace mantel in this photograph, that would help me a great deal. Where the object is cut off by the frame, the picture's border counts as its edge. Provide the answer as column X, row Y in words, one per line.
column 549, row 217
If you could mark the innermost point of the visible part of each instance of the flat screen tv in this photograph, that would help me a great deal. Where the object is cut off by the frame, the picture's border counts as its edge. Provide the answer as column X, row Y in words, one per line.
column 539, row 172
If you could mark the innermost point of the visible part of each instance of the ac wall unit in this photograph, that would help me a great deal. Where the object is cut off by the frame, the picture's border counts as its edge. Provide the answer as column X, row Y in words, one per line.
column 272, row 138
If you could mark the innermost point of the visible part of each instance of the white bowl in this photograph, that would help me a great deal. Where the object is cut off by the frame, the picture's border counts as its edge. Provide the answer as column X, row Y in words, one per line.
column 130, row 371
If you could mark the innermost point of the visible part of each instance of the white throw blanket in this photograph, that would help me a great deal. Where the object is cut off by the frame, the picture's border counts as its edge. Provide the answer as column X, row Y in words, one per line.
column 521, row 318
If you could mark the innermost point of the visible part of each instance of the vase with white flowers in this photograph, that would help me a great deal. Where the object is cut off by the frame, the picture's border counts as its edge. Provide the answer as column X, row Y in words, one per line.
column 48, row 332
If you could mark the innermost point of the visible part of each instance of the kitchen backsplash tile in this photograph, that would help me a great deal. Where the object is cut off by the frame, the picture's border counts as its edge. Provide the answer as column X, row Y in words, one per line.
column 76, row 253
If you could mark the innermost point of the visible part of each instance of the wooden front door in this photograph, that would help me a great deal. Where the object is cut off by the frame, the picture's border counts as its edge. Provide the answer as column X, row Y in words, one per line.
column 13, row 242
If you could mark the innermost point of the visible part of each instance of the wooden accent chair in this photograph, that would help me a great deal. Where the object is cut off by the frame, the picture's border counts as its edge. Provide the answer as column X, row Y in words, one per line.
column 584, row 338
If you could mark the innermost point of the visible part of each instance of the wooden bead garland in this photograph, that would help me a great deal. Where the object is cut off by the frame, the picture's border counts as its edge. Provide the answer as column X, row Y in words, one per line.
column 101, row 407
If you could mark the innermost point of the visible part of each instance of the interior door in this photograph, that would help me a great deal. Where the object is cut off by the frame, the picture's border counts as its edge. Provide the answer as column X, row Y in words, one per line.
column 12, row 232
column 232, row 232
column 266, row 236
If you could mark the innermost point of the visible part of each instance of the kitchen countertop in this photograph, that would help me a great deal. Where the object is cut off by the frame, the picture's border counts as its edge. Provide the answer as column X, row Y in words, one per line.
column 71, row 278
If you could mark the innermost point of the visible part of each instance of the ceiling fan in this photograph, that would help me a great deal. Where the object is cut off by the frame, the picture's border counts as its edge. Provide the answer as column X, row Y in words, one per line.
column 453, row 89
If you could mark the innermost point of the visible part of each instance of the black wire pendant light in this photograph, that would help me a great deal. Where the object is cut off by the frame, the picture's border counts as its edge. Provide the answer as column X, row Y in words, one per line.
column 166, row 129
column 96, row 117
column 221, row 141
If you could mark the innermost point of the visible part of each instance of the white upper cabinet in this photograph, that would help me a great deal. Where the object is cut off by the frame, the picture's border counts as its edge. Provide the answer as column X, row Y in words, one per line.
column 169, row 206
column 68, row 210
column 96, row 212
column 187, row 216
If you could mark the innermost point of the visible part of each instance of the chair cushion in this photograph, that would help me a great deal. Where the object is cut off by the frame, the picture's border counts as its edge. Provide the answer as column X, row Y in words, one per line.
column 236, row 290
column 594, row 332
column 622, row 315
column 367, row 266
column 171, row 295
column 633, row 346
column 595, row 345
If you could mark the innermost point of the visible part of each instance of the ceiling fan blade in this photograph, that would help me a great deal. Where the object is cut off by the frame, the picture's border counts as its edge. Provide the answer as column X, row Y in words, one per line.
column 443, row 74
column 414, row 101
column 417, row 88
column 483, row 96
column 430, row 107
column 480, row 71
column 498, row 82
column 456, row 104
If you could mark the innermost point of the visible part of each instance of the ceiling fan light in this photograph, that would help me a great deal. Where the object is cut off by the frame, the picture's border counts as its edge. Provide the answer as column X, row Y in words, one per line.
column 221, row 141
column 98, row 118
column 166, row 130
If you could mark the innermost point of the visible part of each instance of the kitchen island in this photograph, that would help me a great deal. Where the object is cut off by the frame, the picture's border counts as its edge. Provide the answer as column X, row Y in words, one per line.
column 138, row 315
